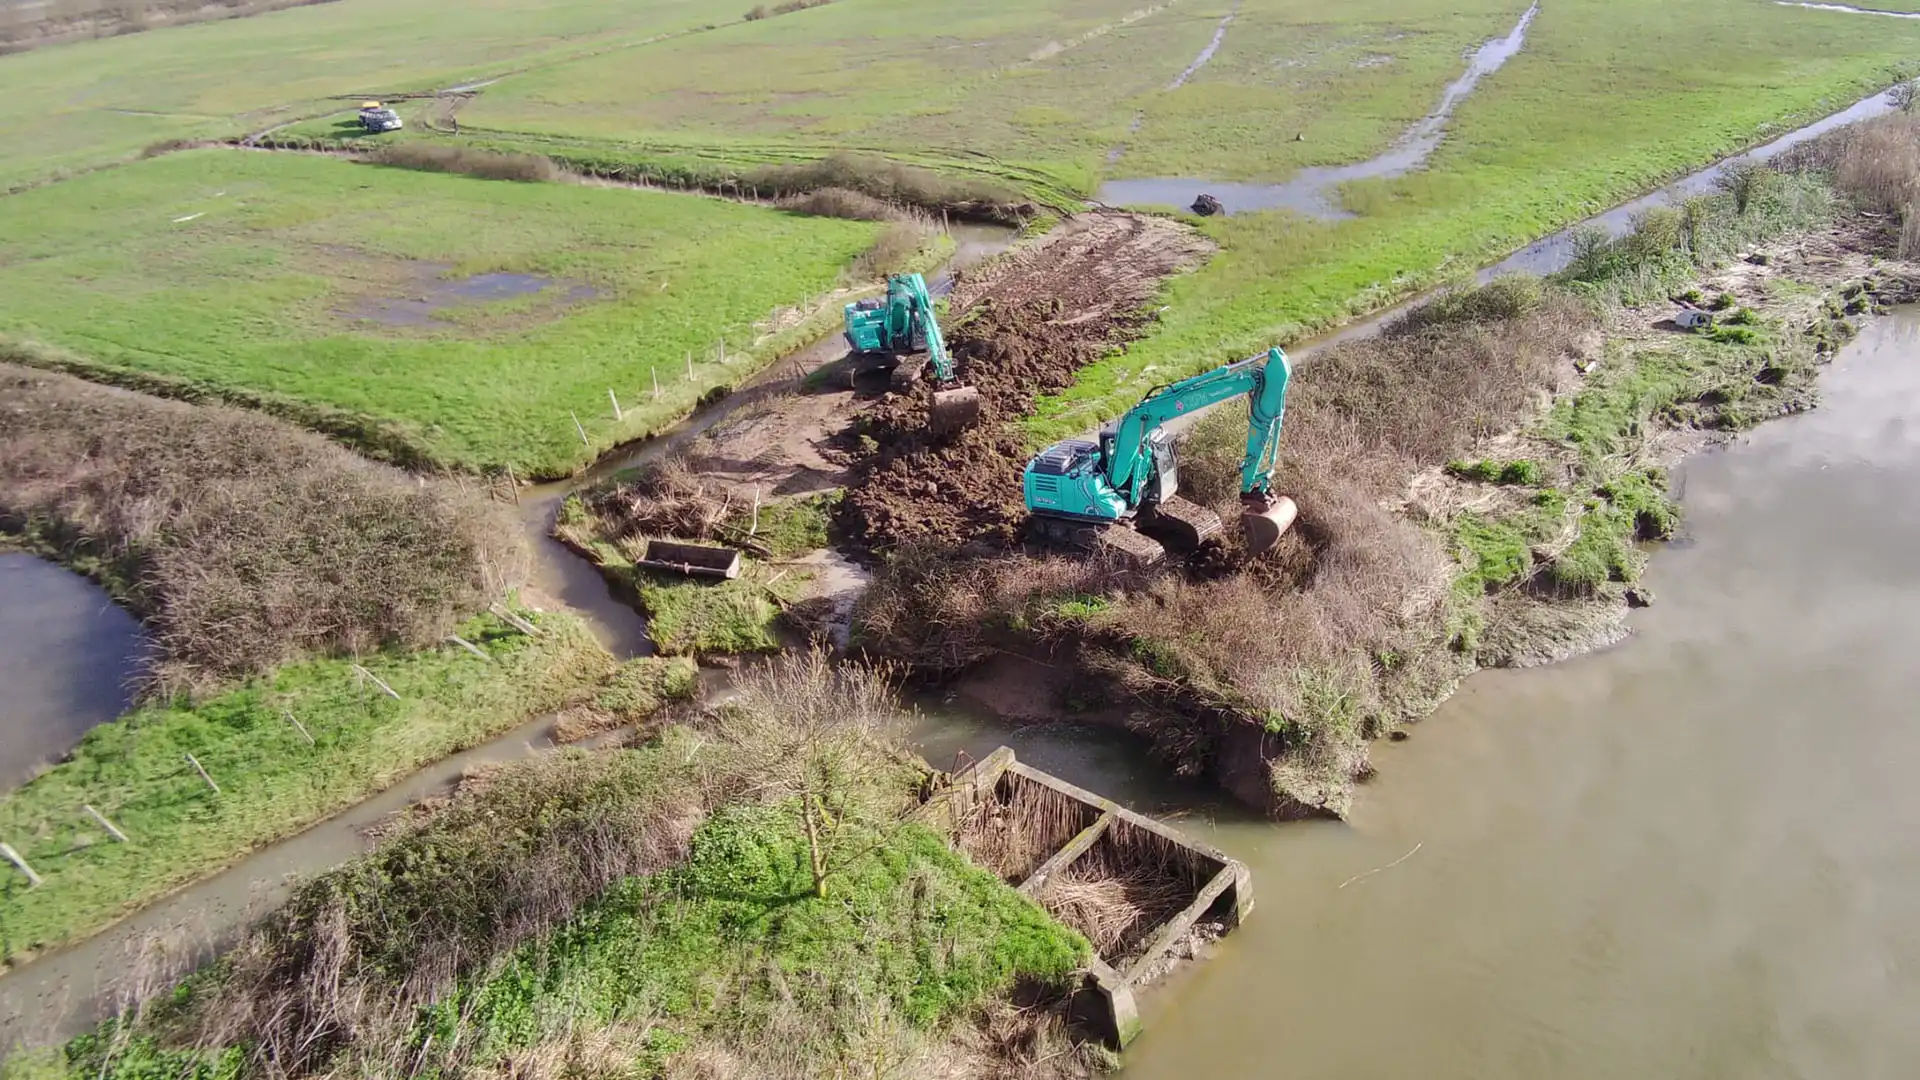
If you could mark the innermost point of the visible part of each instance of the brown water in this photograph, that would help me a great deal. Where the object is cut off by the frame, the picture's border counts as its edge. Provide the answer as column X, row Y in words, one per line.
column 1690, row 856
column 67, row 661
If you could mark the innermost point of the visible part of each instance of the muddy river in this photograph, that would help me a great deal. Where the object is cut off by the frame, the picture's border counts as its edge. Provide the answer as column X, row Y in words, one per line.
column 67, row 656
column 1690, row 856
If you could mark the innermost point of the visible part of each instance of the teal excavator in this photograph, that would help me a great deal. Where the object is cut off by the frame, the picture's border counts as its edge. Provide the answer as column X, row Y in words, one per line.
column 899, row 334
column 1121, row 492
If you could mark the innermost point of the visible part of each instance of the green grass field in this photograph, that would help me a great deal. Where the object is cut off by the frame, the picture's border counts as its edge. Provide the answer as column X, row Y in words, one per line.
column 72, row 107
column 316, row 281
column 272, row 782
column 1605, row 101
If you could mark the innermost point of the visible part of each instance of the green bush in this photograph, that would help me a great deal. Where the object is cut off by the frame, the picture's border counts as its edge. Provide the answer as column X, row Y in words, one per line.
column 1735, row 335
column 1522, row 471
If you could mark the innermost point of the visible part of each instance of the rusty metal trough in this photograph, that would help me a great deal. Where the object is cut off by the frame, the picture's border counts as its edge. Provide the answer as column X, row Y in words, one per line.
column 696, row 560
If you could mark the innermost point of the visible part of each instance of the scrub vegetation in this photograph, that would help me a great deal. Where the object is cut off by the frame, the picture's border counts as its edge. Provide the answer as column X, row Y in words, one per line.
column 741, row 897
column 612, row 523
column 428, row 319
column 272, row 781
column 241, row 541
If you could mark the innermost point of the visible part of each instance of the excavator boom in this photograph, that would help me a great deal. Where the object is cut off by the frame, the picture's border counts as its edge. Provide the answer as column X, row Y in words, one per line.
column 1130, row 475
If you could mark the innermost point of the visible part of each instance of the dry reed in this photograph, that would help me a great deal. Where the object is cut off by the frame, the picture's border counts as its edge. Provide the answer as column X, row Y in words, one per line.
column 242, row 541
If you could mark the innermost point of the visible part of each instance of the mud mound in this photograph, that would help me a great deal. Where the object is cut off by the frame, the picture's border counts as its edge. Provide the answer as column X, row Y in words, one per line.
column 1024, row 326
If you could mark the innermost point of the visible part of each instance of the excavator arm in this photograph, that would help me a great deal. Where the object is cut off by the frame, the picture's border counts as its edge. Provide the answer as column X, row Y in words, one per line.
column 1139, row 453
column 1130, row 459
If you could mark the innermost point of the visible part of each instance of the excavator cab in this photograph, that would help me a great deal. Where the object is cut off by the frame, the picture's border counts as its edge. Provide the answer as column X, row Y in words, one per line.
column 899, row 334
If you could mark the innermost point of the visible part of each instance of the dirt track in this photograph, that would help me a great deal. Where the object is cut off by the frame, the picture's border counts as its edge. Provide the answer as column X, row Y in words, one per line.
column 1019, row 328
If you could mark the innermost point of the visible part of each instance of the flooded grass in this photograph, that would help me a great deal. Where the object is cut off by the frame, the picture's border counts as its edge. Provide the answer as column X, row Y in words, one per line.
column 243, row 297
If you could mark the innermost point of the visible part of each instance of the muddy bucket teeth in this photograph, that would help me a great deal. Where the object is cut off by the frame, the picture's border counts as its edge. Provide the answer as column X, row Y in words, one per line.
column 954, row 409
column 1262, row 527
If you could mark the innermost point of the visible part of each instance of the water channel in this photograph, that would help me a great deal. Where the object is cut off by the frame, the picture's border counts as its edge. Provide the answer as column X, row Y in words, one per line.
column 1689, row 856
column 1314, row 191
column 67, row 656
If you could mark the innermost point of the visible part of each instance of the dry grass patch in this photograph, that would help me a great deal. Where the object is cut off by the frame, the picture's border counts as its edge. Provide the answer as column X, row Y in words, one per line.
column 243, row 542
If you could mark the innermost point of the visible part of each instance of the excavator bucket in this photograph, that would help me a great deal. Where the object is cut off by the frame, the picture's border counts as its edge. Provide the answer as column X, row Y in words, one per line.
column 954, row 409
column 1263, row 524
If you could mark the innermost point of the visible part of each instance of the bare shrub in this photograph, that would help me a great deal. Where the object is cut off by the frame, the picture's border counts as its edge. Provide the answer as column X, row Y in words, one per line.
column 841, row 203
column 934, row 610
column 892, row 251
column 663, row 498
column 467, row 161
column 242, row 541
column 890, row 182
column 825, row 737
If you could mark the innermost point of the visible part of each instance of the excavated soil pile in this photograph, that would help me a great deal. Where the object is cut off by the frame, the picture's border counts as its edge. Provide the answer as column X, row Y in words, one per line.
column 1022, row 328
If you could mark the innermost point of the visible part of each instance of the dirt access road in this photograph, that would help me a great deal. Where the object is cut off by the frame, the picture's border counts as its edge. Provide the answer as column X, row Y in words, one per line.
column 1019, row 326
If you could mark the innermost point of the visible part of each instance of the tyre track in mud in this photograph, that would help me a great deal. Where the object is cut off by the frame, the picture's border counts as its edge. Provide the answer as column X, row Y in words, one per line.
column 1020, row 328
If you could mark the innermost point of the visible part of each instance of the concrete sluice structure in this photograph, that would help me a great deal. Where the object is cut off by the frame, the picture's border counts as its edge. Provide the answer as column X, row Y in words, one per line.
column 1142, row 893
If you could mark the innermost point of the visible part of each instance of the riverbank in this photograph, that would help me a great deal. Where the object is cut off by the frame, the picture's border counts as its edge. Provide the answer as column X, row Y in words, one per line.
column 766, row 841
column 1474, row 483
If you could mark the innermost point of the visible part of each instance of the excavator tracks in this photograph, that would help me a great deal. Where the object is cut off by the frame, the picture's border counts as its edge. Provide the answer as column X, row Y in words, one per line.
column 1181, row 523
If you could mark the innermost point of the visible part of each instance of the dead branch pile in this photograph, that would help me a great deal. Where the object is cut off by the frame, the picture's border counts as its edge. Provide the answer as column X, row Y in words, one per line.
column 664, row 498
column 242, row 541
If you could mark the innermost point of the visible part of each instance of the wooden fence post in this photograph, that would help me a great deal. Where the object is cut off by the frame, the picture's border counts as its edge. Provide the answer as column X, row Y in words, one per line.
column 13, row 857
column 197, row 767
column 111, row 828
column 468, row 645
column 616, row 404
column 388, row 690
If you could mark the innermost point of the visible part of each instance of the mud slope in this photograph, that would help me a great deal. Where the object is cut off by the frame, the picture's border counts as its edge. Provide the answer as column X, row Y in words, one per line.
column 1020, row 328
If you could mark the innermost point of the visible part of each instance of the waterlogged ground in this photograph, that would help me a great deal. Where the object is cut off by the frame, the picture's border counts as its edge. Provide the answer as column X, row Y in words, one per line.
column 1687, row 857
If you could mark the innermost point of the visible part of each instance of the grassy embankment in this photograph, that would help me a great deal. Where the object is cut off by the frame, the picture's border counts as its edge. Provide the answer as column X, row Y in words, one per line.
column 737, row 899
column 273, row 783
column 612, row 523
column 254, row 550
column 343, row 296
column 73, row 107
column 1447, row 519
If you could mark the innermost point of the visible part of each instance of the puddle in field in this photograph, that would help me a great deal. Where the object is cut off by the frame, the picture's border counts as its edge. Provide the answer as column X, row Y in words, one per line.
column 1849, row 9
column 1314, row 191
column 422, row 300
column 68, row 655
